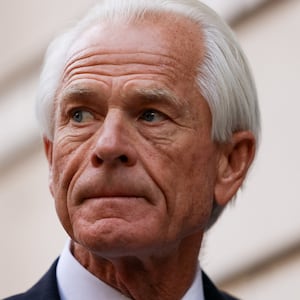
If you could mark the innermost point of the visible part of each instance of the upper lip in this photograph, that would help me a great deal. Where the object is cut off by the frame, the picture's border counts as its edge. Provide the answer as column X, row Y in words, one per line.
column 112, row 195
column 102, row 191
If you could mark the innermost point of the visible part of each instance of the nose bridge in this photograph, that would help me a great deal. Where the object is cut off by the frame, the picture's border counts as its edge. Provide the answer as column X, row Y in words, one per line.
column 113, row 128
column 113, row 141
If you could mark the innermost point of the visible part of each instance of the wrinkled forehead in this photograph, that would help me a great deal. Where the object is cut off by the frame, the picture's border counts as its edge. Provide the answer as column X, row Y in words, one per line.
column 168, row 34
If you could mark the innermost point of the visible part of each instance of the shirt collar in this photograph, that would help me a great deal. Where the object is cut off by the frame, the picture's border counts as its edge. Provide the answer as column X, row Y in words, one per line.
column 77, row 283
column 195, row 292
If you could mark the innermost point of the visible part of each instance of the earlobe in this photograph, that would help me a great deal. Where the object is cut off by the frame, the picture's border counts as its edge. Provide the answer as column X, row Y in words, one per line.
column 234, row 162
column 48, row 145
column 48, row 148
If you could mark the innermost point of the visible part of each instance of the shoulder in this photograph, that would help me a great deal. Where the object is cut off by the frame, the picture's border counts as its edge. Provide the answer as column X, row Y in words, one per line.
column 45, row 288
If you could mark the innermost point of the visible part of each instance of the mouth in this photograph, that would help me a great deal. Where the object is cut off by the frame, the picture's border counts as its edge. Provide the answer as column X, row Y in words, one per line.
column 105, row 192
column 114, row 199
column 119, row 206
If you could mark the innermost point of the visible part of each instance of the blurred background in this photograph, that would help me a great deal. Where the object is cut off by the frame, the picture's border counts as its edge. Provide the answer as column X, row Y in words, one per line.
column 254, row 250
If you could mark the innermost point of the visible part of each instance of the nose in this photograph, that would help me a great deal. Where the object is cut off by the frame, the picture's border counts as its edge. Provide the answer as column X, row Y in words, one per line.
column 115, row 143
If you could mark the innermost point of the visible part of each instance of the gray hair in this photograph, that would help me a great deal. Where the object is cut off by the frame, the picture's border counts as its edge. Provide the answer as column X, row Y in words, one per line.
column 224, row 78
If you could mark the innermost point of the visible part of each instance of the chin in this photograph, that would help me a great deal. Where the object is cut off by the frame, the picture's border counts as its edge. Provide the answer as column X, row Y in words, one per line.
column 113, row 237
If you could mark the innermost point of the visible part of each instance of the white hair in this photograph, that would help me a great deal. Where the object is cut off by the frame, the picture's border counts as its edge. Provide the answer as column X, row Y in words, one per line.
column 224, row 78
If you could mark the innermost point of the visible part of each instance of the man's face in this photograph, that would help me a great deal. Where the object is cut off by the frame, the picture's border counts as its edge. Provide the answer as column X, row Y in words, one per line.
column 133, row 166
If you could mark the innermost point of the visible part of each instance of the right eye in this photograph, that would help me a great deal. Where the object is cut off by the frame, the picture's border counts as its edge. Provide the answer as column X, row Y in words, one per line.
column 81, row 116
column 152, row 116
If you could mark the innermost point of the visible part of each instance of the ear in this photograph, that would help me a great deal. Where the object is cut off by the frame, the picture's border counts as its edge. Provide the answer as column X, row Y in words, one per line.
column 48, row 148
column 234, row 162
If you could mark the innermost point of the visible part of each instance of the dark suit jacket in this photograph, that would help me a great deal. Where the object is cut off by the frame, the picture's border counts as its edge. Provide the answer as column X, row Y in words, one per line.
column 46, row 289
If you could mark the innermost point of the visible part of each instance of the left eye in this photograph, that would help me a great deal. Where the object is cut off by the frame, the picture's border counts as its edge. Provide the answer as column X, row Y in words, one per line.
column 152, row 115
column 80, row 116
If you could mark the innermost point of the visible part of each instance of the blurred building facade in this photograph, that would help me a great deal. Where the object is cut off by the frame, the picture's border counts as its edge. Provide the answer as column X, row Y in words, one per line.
column 254, row 250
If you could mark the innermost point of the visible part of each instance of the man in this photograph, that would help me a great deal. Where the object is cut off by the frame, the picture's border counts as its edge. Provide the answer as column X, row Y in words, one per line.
column 150, row 122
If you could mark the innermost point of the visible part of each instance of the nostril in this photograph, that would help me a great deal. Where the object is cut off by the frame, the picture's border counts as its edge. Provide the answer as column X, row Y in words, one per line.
column 97, row 160
column 123, row 158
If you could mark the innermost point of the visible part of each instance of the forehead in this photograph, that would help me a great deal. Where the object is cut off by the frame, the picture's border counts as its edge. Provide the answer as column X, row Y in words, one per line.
column 164, row 34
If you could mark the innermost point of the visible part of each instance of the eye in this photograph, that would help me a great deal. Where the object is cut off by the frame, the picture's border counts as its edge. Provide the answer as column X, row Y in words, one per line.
column 151, row 115
column 80, row 116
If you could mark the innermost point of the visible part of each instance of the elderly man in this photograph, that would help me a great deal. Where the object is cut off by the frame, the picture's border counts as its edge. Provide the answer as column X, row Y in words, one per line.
column 150, row 123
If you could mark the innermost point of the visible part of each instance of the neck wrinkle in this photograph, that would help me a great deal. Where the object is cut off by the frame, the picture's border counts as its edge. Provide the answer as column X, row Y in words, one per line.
column 166, row 277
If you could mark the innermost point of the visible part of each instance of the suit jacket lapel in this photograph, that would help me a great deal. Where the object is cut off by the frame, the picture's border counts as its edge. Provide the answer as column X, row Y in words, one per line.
column 45, row 289
column 211, row 292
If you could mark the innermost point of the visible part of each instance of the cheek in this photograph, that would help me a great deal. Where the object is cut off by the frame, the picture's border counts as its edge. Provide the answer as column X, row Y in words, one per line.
column 68, row 158
column 67, row 164
column 187, row 177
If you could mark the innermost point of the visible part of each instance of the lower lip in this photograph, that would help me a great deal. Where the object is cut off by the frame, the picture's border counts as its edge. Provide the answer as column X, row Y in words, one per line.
column 114, row 198
column 125, row 203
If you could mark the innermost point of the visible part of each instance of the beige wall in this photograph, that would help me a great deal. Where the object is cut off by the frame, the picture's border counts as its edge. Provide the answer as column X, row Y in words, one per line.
column 253, row 251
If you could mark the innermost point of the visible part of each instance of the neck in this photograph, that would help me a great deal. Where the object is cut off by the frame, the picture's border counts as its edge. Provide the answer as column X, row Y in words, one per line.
column 160, row 277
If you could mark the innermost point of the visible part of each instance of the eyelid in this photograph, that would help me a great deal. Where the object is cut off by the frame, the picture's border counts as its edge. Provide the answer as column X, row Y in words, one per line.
column 71, row 112
column 162, row 116
column 75, row 108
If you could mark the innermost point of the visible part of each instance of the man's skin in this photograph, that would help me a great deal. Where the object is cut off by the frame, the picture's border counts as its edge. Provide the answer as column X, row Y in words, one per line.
column 133, row 168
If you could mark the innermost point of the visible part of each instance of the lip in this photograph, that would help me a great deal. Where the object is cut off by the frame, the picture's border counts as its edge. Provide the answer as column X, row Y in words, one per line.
column 100, row 187
column 113, row 198
column 113, row 203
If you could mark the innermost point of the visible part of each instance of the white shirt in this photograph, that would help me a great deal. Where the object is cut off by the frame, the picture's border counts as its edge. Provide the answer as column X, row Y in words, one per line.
column 77, row 283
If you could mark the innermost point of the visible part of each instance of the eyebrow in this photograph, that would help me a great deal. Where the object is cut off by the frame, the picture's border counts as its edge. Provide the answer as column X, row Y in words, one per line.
column 79, row 94
column 158, row 94
column 147, row 95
